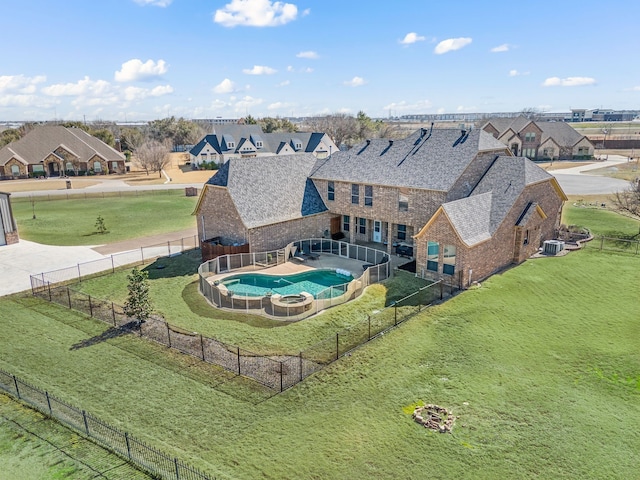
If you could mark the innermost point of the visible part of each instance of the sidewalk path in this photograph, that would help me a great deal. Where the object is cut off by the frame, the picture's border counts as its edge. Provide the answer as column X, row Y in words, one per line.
column 574, row 182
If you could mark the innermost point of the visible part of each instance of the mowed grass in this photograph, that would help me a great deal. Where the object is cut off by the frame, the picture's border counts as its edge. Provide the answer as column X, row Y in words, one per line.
column 33, row 446
column 540, row 365
column 72, row 222
column 598, row 220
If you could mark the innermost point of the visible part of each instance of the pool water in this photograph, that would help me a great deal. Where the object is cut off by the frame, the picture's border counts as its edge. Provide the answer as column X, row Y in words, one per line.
column 313, row 282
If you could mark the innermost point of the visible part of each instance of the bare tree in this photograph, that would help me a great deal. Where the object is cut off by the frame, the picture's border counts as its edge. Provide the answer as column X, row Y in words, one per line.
column 628, row 200
column 153, row 156
column 342, row 128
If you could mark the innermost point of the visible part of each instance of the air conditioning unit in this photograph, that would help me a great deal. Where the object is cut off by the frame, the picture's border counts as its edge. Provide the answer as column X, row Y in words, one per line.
column 553, row 247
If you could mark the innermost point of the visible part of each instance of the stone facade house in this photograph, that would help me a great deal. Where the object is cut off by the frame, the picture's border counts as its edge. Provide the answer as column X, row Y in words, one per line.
column 539, row 140
column 52, row 151
column 8, row 228
column 249, row 141
column 460, row 198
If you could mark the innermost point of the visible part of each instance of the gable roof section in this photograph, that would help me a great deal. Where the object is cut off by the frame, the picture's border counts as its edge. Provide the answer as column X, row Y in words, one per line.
column 211, row 140
column 35, row 146
column 477, row 217
column 426, row 160
column 564, row 134
column 268, row 190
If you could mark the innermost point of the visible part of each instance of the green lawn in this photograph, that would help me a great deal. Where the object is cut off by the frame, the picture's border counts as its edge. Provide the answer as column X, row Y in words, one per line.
column 34, row 447
column 540, row 365
column 600, row 221
column 72, row 222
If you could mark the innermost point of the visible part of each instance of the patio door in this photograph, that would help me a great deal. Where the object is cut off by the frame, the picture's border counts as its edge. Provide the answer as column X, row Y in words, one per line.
column 377, row 231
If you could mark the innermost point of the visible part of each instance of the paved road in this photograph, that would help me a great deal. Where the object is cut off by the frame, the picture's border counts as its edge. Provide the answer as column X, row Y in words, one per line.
column 574, row 182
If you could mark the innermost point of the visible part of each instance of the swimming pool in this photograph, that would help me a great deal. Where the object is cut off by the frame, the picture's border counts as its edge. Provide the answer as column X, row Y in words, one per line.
column 314, row 282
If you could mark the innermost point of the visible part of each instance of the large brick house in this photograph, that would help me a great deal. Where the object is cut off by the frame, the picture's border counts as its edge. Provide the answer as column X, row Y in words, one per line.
column 245, row 141
column 52, row 151
column 538, row 140
column 459, row 197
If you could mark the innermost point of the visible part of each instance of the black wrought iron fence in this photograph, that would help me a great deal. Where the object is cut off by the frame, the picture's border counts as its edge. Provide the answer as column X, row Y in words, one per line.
column 146, row 457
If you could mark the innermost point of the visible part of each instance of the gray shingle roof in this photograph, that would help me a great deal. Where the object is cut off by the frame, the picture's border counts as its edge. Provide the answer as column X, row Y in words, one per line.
column 40, row 142
column 563, row 134
column 422, row 160
column 268, row 190
column 479, row 215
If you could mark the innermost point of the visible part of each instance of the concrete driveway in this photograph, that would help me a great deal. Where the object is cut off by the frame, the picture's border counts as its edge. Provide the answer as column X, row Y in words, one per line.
column 22, row 259
column 574, row 182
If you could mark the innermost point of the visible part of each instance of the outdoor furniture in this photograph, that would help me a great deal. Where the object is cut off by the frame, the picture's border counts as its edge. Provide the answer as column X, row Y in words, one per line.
column 312, row 256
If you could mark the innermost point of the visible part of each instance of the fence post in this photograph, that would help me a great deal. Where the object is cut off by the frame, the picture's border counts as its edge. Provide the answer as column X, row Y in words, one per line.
column 182, row 244
column 281, row 376
column 142, row 255
column 601, row 241
column 46, row 394
column 395, row 314
column 79, row 275
column 113, row 314
column 175, row 461
column 300, row 366
column 238, row 360
column 49, row 289
column 337, row 345
column 90, row 307
column 113, row 267
column 369, row 318
column 202, row 347
column 168, row 248
column 168, row 334
column 441, row 289
column 126, row 438
column 69, row 297
column 86, row 424
column 15, row 382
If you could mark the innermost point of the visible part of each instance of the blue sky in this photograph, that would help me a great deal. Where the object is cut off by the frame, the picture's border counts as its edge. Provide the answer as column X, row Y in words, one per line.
column 148, row 59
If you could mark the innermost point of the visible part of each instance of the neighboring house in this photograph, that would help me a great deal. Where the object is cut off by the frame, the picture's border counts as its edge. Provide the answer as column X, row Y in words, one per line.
column 248, row 141
column 52, row 151
column 539, row 140
column 468, row 207
column 8, row 229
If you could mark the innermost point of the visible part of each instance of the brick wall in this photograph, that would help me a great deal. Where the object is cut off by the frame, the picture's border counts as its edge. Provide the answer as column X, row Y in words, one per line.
column 278, row 235
column 504, row 248
column 8, row 171
column 217, row 216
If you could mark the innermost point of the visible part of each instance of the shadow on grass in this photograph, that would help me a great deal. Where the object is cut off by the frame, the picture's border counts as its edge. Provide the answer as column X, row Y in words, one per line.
column 201, row 307
column 185, row 264
column 108, row 334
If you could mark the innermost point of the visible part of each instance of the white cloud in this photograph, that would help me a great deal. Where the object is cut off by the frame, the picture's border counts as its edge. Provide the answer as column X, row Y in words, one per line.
column 138, row 93
column 463, row 109
column 289, row 68
column 568, row 82
column 355, row 82
column 155, row 3
column 22, row 100
column 505, row 47
column 516, row 73
column 280, row 106
column 283, row 84
column 225, row 86
column 308, row 54
column 259, row 70
column 451, row 44
column 308, row 70
column 247, row 102
column 636, row 89
column 403, row 106
column 134, row 70
column 256, row 13
column 412, row 37
column 20, row 83
column 86, row 86
column 441, row 110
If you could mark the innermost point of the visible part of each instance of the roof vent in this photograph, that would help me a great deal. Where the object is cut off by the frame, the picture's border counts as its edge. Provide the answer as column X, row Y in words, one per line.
column 423, row 132
column 390, row 142
column 368, row 141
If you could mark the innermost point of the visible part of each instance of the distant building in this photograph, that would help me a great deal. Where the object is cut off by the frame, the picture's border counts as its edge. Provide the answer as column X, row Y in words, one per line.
column 53, row 151
column 246, row 141
column 8, row 229
column 538, row 140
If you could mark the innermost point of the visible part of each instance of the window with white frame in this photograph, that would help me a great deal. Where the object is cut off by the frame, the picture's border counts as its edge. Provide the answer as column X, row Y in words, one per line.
column 368, row 195
column 346, row 223
column 331, row 191
column 355, row 193
column 433, row 255
column 530, row 137
column 403, row 200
